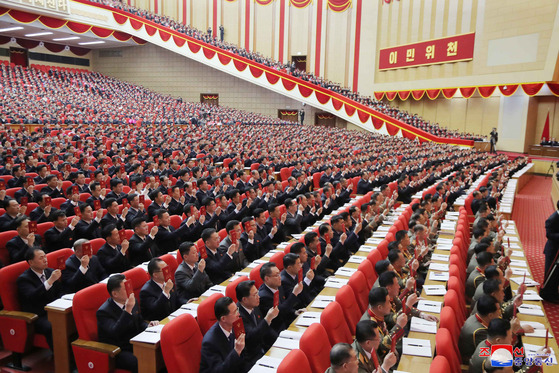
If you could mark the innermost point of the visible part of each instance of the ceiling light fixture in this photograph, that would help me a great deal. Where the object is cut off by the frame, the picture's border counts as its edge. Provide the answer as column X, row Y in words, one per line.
column 39, row 34
column 92, row 42
column 68, row 38
column 11, row 29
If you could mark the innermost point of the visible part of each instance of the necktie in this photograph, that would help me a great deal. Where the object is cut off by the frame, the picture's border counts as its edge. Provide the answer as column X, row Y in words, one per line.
column 43, row 278
column 231, row 340
column 254, row 318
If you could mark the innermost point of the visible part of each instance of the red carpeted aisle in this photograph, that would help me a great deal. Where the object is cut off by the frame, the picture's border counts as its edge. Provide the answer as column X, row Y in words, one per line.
column 532, row 207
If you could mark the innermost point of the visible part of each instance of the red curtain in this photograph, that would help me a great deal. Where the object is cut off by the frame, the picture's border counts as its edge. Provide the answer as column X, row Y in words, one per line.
column 554, row 88
column 404, row 95
column 391, row 95
column 532, row 88
column 467, row 92
column 417, row 94
column 379, row 95
column 339, row 5
column 509, row 90
column 449, row 92
column 433, row 93
column 18, row 56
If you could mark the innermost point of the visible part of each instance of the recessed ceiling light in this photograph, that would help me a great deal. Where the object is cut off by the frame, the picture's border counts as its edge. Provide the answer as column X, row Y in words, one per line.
column 68, row 38
column 11, row 29
column 39, row 34
column 92, row 42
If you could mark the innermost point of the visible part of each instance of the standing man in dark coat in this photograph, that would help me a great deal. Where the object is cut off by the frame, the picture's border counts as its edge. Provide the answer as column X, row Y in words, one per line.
column 549, row 290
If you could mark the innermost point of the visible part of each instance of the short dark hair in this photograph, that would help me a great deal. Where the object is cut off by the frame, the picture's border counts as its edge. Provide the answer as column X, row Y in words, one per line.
column 297, row 248
column 55, row 215
column 387, row 278
column 207, row 233
column 382, row 266
column 114, row 282
column 484, row 258
column 231, row 225
column 486, row 304
column 290, row 259
column 393, row 255
column 481, row 247
column 377, row 296
column 266, row 269
column 30, row 253
column 153, row 265
column 492, row 271
column 491, row 285
column 323, row 229
column 108, row 230
column 19, row 220
column 137, row 221
column 161, row 212
column 221, row 307
column 340, row 354
column 498, row 328
column 400, row 235
column 309, row 237
column 365, row 330
column 110, row 201
column 184, row 248
column 243, row 289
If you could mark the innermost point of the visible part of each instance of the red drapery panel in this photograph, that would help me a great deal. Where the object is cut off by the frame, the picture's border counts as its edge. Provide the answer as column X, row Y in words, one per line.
column 404, row 95
column 379, row 95
column 79, row 51
column 339, row 5
column 377, row 122
column 363, row 117
column 391, row 129
column 337, row 104
column 554, row 88
column 180, row 42
column 532, row 88
column 417, row 94
column 223, row 58
column 467, row 92
column 51, row 22
column 209, row 53
column 256, row 72
column 23, row 17
column 299, row 3
column 322, row 98
column 120, row 18
column 194, row 48
column 272, row 78
column 5, row 39
column 263, row 2
column 288, row 84
column 433, row 93
column 305, row 91
column 449, row 92
column 18, row 57
column 509, row 90
column 28, row 44
column 391, row 95
column 350, row 110
column 138, row 40
column 78, row 27
column 486, row 91
column 241, row 66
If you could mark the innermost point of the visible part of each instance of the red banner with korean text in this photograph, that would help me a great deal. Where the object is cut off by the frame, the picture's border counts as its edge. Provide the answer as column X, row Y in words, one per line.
column 445, row 50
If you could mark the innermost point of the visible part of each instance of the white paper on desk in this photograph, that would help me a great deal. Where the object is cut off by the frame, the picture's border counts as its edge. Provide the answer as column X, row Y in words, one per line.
column 538, row 333
column 143, row 266
column 514, row 245
column 373, row 241
column 531, row 295
column 336, row 283
column 384, row 228
column 416, row 347
column 266, row 364
column 438, row 276
column 182, row 311
column 511, row 239
column 366, row 249
column 518, row 254
column 518, row 263
column 155, row 328
column 423, row 326
column 214, row 289
column 290, row 334
column 444, row 247
column 256, row 263
column 533, row 324
column 532, row 350
column 308, row 318
column 530, row 309
column 147, row 337
column 321, row 301
column 444, row 240
column 345, row 272
column 190, row 306
column 528, row 282
column 520, row 271
column 270, row 253
column 439, row 267
column 297, row 236
column 379, row 234
column 68, row 296
column 61, row 303
column 356, row 259
column 434, row 289
column 429, row 306
column 440, row 257
column 282, row 245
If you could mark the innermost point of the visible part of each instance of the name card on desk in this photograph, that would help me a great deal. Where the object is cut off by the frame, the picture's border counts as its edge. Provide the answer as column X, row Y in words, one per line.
column 69, row 296
column 182, row 311
column 440, row 257
column 61, row 303
column 530, row 309
column 439, row 267
column 356, row 259
column 423, row 326
column 444, row 241
column 444, row 247
column 532, row 351
column 322, row 301
column 528, row 282
column 373, row 241
column 539, row 333
column 438, row 276
column 256, row 263
column 155, row 328
column 308, row 318
column 520, row 271
column 434, row 289
column 511, row 239
column 379, row 234
column 336, row 283
column 147, row 337
column 266, row 364
column 517, row 253
column 345, row 272
column 416, row 347
column 429, row 306
column 384, row 228
column 213, row 290
column 366, row 249
column 518, row 263
column 531, row 295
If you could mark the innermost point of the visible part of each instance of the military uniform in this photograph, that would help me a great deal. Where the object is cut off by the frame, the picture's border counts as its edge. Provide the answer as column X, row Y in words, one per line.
column 472, row 334
column 385, row 334
column 476, row 277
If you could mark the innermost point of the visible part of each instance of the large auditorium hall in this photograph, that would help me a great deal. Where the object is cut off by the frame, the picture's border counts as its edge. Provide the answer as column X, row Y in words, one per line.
column 291, row 186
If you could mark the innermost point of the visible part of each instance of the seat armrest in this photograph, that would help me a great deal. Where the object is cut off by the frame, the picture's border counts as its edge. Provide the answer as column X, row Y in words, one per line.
column 106, row 348
column 27, row 316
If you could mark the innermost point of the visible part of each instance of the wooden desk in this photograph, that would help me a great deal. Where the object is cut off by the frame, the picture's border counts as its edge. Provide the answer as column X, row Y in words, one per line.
column 150, row 358
column 64, row 329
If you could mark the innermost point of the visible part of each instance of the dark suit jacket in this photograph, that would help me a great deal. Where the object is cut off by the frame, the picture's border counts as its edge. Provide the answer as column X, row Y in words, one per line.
column 154, row 305
column 7, row 223
column 118, row 197
column 133, row 214
column 109, row 219
column 74, row 280
column 33, row 297
column 17, row 248
column 53, row 193
column 87, row 231
column 56, row 240
column 293, row 224
column 140, row 250
column 552, row 234
column 116, row 326
column 35, row 197
column 38, row 215
column 152, row 210
column 190, row 283
column 259, row 335
column 112, row 260
column 218, row 353
column 217, row 266
column 286, row 306
column 168, row 240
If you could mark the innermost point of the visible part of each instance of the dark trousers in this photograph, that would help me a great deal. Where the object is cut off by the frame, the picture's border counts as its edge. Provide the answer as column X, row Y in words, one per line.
column 127, row 360
column 43, row 326
column 550, row 291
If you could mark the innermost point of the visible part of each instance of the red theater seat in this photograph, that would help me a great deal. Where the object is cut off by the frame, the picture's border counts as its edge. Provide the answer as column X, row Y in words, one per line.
column 358, row 284
column 316, row 346
column 231, row 289
column 295, row 361
column 352, row 313
column 332, row 318
column 206, row 314
column 181, row 335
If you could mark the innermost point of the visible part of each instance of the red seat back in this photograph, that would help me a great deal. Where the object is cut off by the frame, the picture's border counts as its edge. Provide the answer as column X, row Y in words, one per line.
column 84, row 307
column 176, row 221
column 374, row 256
column 316, row 346
column 332, row 318
column 206, row 313
column 96, row 244
column 4, row 238
column 358, row 284
column 295, row 361
column 139, row 277
column 445, row 347
column 8, row 290
column 278, row 259
column 179, row 335
column 383, row 248
column 231, row 289
column 439, row 364
column 43, row 227
column 255, row 276
column 369, row 271
column 352, row 313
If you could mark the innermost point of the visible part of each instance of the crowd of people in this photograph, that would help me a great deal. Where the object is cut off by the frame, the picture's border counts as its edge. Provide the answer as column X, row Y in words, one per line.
column 113, row 176
column 210, row 36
